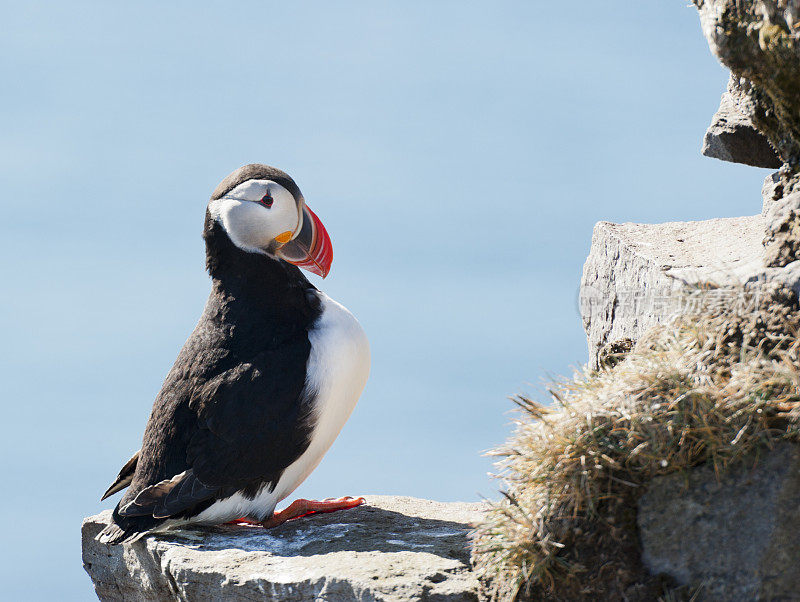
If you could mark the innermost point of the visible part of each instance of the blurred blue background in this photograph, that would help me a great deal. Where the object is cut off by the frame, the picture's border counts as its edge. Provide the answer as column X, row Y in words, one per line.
column 458, row 153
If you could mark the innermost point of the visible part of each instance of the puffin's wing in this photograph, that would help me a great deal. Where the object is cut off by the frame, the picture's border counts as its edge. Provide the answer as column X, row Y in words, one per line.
column 124, row 477
column 169, row 497
column 253, row 421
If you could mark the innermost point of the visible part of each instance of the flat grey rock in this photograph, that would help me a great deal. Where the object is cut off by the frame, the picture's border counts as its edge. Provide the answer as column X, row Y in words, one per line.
column 390, row 549
column 737, row 537
column 638, row 275
column 733, row 137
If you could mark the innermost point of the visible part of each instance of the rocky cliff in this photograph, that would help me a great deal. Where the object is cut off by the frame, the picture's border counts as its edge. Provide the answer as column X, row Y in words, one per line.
column 638, row 275
column 390, row 549
column 725, row 535
column 668, row 468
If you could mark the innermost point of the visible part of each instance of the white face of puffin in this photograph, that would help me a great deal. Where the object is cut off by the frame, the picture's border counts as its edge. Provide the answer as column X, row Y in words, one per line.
column 258, row 215
column 261, row 216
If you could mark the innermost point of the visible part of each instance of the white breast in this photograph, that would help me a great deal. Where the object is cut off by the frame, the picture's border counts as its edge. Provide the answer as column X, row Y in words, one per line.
column 337, row 370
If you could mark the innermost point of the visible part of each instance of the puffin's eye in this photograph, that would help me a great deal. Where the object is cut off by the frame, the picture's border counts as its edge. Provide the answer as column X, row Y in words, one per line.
column 266, row 200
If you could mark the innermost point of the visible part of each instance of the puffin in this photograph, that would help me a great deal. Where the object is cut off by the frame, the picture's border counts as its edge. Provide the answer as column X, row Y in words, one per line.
column 263, row 385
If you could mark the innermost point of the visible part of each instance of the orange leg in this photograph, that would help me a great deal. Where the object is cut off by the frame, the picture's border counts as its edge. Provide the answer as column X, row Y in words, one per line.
column 302, row 507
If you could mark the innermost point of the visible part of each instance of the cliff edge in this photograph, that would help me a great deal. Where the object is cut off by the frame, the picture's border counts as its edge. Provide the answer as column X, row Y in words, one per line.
column 389, row 549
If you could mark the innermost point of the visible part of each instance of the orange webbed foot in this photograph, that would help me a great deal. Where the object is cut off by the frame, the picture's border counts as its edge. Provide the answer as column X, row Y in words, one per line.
column 301, row 507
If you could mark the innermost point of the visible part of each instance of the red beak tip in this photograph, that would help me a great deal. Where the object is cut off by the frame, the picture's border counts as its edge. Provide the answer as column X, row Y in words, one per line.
column 317, row 253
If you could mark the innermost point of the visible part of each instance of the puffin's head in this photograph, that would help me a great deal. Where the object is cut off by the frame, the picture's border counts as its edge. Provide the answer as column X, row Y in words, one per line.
column 263, row 211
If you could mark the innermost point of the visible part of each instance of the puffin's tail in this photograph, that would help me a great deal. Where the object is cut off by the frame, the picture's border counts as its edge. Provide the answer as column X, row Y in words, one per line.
column 124, row 529
column 172, row 499
column 114, row 534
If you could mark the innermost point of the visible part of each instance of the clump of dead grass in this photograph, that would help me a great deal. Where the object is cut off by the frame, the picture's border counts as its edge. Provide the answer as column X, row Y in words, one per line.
column 703, row 389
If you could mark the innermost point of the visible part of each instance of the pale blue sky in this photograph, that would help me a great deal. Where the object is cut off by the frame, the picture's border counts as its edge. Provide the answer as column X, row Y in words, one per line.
column 458, row 153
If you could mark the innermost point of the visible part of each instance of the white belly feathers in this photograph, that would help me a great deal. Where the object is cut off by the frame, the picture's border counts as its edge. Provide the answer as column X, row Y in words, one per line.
column 338, row 368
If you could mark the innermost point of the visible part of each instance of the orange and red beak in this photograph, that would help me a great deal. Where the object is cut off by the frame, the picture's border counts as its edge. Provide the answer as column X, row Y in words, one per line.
column 311, row 249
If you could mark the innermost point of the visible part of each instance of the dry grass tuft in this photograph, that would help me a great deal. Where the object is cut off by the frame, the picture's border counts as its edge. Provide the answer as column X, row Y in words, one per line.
column 709, row 389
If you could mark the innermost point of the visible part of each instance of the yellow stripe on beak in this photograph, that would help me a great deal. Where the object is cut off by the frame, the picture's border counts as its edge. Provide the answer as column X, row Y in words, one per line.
column 284, row 237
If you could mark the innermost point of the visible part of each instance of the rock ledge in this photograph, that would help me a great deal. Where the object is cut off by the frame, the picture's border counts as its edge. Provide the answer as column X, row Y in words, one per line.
column 638, row 275
column 392, row 548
